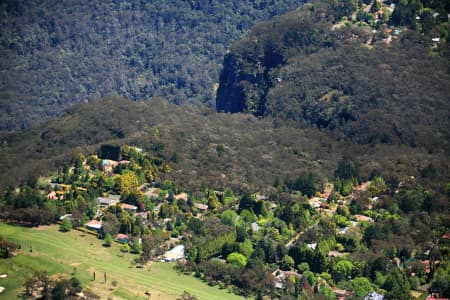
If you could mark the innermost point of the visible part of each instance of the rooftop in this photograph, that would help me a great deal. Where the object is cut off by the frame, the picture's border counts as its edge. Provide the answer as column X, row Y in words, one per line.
column 175, row 253
column 94, row 224
column 110, row 200
column 126, row 206
column 182, row 196
column 201, row 206
column 362, row 218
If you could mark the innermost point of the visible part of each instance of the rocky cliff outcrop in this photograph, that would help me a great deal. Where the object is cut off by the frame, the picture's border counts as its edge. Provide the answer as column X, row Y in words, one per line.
column 302, row 68
column 251, row 66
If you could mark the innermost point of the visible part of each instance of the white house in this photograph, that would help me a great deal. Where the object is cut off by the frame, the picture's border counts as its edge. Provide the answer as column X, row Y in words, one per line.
column 175, row 253
column 312, row 246
column 374, row 296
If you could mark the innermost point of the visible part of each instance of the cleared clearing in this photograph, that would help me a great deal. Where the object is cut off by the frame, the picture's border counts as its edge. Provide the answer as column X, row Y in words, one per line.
column 46, row 248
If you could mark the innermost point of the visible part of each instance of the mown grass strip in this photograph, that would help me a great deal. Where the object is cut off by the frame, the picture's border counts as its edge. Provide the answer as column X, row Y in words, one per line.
column 73, row 252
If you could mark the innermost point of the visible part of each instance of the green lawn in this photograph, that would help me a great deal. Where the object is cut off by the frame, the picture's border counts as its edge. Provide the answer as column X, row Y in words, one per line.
column 74, row 252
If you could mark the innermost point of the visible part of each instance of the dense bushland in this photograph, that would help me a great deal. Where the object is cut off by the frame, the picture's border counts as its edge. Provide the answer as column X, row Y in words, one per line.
column 205, row 148
column 56, row 53
column 307, row 68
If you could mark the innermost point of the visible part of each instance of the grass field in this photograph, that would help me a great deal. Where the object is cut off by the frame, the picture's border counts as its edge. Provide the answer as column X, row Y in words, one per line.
column 82, row 254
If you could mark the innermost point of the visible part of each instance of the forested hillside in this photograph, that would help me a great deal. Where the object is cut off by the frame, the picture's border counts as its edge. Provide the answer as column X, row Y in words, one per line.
column 56, row 53
column 204, row 148
column 348, row 77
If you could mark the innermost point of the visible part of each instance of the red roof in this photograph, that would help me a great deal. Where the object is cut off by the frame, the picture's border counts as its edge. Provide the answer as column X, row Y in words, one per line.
column 362, row 218
column 340, row 293
column 93, row 223
column 127, row 206
column 326, row 195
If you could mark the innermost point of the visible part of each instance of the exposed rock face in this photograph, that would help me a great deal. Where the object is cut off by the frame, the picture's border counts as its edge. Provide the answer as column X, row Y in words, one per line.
column 230, row 95
column 250, row 68
column 243, row 91
column 298, row 69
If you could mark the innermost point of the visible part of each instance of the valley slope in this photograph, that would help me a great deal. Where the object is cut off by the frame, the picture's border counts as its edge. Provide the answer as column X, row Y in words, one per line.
column 370, row 86
column 57, row 53
column 205, row 148
column 312, row 91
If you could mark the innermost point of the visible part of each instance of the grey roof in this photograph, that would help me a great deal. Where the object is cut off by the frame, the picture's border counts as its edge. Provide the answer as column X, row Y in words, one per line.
column 374, row 296
column 110, row 200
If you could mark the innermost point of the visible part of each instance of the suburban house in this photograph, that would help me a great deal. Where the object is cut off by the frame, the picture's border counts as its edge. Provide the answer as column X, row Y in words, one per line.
column 312, row 246
column 128, row 207
column 182, row 196
column 174, row 254
column 122, row 238
column 111, row 200
column 144, row 216
column 94, row 225
column 201, row 207
column 280, row 279
column 373, row 296
column 340, row 294
column 315, row 202
column 109, row 165
column 333, row 253
column 362, row 218
column 55, row 196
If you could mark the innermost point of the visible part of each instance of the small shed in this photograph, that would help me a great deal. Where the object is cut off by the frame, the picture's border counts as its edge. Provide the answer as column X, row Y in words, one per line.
column 312, row 246
column 374, row 296
column 94, row 225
